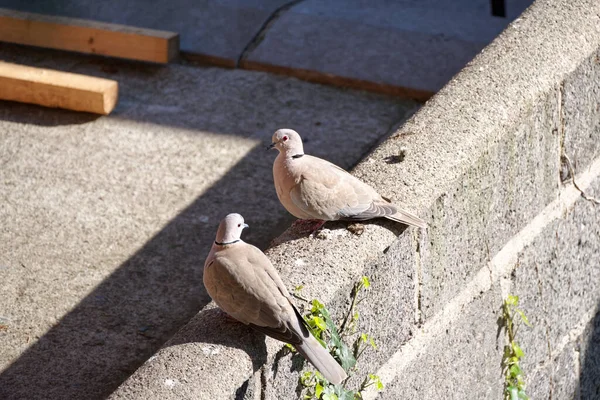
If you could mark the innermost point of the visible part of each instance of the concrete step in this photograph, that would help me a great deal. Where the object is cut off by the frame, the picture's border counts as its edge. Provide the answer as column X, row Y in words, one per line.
column 407, row 47
column 416, row 45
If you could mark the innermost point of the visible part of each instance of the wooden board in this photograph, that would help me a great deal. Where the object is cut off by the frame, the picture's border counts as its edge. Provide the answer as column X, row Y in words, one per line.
column 88, row 36
column 51, row 88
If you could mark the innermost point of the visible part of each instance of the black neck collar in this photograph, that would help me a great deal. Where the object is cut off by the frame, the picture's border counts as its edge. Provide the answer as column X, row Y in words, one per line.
column 297, row 155
column 225, row 243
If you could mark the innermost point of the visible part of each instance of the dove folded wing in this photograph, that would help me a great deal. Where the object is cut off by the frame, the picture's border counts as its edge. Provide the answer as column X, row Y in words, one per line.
column 325, row 191
column 246, row 286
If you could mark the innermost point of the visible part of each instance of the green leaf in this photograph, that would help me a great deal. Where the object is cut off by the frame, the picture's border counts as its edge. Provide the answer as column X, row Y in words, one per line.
column 512, row 300
column 319, row 323
column 365, row 282
column 317, row 306
column 515, row 370
column 377, row 381
column 306, row 377
column 513, row 393
column 523, row 317
column 345, row 356
column 318, row 390
column 356, row 316
column 344, row 394
column 517, row 350
column 298, row 288
column 523, row 395
column 372, row 343
column 329, row 393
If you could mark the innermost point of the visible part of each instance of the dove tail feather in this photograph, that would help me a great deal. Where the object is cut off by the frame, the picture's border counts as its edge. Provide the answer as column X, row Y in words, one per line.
column 318, row 356
column 407, row 218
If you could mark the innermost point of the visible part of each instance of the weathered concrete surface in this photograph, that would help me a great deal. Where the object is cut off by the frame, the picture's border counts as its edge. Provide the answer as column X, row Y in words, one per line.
column 417, row 45
column 407, row 47
column 581, row 112
column 106, row 221
column 558, row 282
column 219, row 29
column 463, row 362
column 481, row 162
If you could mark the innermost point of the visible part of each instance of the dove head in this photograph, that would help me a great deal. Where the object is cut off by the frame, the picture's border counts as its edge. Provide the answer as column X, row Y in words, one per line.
column 230, row 229
column 287, row 141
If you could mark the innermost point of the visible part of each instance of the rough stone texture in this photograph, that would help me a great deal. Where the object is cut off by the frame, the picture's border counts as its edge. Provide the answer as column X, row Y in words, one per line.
column 386, row 313
column 491, row 138
column 106, row 221
column 219, row 29
column 414, row 44
column 462, row 363
column 558, row 281
column 581, row 110
column 479, row 162
column 492, row 201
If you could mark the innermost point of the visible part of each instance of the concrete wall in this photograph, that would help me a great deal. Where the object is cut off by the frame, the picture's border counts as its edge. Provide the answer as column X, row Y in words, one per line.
column 483, row 166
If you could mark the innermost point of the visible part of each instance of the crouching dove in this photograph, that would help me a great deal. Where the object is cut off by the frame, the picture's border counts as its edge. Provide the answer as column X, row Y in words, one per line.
column 244, row 284
column 312, row 188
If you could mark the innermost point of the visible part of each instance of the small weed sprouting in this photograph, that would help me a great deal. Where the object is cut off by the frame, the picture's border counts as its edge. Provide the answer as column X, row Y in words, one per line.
column 514, row 378
column 322, row 326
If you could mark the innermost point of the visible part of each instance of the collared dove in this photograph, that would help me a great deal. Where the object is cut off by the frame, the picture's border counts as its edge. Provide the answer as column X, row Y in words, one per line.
column 243, row 282
column 312, row 188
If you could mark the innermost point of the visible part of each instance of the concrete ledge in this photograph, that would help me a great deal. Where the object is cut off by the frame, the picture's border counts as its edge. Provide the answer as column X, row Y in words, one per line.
column 482, row 164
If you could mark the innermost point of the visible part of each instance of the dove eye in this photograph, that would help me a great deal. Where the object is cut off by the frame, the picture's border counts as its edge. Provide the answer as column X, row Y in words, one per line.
column 284, row 138
column 239, row 225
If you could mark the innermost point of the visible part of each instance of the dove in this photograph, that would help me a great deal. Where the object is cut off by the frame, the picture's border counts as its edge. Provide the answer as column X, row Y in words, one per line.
column 243, row 282
column 312, row 188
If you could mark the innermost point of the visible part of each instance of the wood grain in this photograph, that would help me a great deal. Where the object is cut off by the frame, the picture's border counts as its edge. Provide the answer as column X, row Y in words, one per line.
column 87, row 36
column 52, row 88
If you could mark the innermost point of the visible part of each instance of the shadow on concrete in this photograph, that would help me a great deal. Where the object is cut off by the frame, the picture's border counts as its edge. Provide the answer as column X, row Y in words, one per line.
column 125, row 319
column 223, row 331
column 129, row 315
column 38, row 115
column 589, row 376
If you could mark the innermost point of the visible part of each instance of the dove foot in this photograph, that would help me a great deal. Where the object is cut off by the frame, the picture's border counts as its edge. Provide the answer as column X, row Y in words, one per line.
column 309, row 226
column 356, row 228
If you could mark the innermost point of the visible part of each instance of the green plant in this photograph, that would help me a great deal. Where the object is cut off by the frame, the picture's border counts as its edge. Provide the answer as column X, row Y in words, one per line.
column 514, row 378
column 323, row 327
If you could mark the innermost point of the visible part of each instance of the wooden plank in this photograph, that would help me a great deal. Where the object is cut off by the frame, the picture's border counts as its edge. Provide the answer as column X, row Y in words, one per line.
column 87, row 36
column 52, row 88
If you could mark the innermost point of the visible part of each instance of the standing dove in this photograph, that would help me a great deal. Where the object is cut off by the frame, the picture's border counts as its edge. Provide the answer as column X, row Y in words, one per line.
column 243, row 282
column 312, row 188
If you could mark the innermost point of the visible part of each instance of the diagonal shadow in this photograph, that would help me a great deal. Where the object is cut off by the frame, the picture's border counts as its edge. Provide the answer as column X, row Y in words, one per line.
column 130, row 314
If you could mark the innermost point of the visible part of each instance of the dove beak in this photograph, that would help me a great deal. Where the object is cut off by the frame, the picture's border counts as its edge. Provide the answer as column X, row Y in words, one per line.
column 246, row 226
column 269, row 147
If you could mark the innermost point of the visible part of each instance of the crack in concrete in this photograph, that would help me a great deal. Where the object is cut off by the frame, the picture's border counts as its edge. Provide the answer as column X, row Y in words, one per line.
column 546, row 328
column 260, row 35
column 503, row 263
column 567, row 170
column 417, row 278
